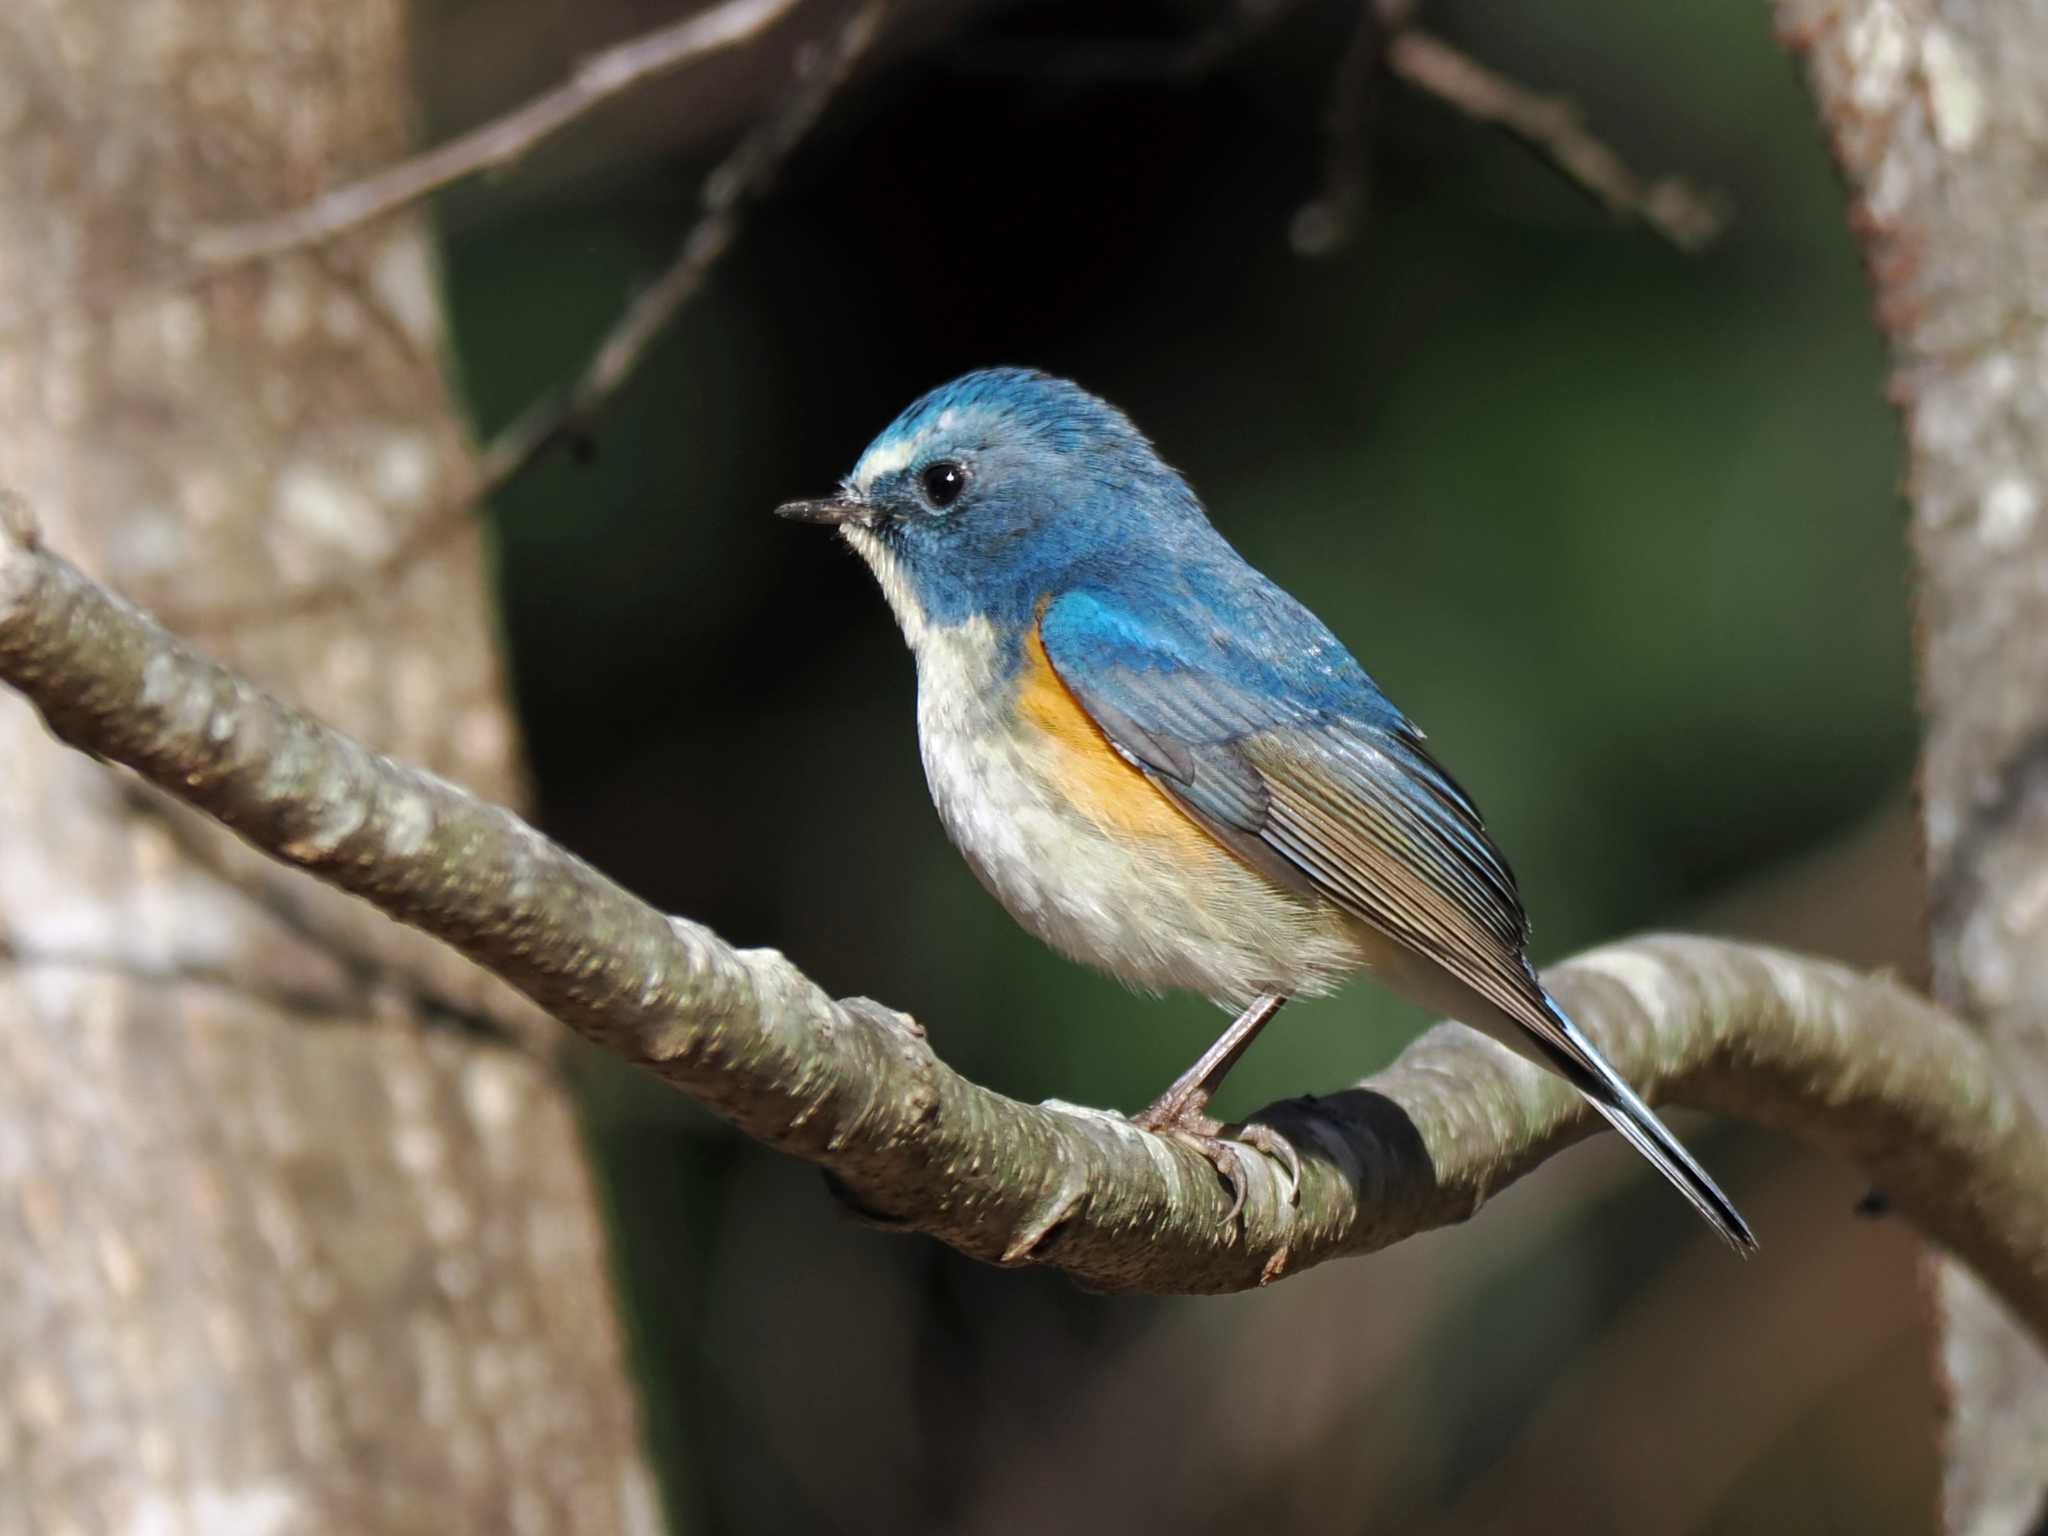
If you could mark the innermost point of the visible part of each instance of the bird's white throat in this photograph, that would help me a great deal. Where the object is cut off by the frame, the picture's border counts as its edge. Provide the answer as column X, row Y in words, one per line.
column 910, row 615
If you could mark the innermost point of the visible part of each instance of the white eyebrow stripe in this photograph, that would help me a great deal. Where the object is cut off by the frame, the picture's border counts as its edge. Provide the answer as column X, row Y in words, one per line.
column 883, row 459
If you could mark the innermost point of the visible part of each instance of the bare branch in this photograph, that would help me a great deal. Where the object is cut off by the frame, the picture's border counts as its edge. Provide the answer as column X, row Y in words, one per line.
column 739, row 180
column 1683, row 214
column 499, row 142
column 1855, row 1063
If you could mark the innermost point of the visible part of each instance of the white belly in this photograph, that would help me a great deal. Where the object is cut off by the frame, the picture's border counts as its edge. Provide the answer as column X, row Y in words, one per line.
column 1128, row 905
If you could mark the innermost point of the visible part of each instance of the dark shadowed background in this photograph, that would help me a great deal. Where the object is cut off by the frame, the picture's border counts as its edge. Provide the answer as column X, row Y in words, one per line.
column 1617, row 524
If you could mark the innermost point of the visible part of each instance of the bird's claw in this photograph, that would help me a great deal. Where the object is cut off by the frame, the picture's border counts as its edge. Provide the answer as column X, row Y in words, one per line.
column 1281, row 1150
column 1188, row 1125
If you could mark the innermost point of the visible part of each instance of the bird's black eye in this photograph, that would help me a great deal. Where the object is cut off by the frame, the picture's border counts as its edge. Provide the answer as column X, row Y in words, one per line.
column 943, row 482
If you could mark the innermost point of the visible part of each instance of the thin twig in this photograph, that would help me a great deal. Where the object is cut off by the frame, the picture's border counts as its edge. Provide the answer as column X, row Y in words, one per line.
column 279, row 897
column 1326, row 223
column 308, row 1003
column 497, row 143
column 1854, row 1063
column 559, row 415
column 1687, row 216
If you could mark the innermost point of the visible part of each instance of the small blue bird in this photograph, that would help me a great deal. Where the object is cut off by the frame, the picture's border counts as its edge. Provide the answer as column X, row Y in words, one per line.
column 1162, row 764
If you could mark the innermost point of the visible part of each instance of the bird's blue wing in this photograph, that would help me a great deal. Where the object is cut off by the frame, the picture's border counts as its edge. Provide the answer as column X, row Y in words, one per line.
column 1268, row 733
column 1272, row 737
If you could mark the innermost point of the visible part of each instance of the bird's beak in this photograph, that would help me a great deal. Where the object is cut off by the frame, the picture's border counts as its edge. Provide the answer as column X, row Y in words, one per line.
column 830, row 510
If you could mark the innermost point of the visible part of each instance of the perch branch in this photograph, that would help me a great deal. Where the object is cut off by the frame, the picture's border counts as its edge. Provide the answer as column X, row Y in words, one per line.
column 495, row 144
column 1855, row 1063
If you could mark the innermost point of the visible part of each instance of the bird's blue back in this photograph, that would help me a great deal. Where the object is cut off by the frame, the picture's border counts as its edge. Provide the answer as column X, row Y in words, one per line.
column 1079, row 499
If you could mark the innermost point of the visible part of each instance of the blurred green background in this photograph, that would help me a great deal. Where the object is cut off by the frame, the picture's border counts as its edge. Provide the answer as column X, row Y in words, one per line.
column 1617, row 524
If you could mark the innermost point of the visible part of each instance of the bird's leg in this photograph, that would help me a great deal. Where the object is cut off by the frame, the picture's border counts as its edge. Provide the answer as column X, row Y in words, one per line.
column 1183, row 1109
column 1189, row 1096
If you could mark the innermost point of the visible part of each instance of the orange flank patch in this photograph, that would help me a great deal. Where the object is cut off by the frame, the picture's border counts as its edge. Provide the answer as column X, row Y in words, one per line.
column 1100, row 783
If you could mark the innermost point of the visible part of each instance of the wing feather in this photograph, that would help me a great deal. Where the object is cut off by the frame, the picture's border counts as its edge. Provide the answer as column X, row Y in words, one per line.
column 1297, row 763
column 1320, row 777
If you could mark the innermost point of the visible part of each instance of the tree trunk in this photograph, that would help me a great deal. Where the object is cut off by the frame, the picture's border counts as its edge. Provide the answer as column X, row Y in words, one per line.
column 1936, row 109
column 294, row 1233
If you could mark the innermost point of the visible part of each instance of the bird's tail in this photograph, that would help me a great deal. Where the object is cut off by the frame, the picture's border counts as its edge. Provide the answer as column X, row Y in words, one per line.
column 1628, row 1114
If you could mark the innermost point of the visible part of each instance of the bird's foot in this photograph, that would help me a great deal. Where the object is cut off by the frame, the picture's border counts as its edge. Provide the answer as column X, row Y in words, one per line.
column 1281, row 1150
column 1184, row 1118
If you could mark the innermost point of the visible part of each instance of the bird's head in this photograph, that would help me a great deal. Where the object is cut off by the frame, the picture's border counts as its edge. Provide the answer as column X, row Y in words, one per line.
column 998, row 488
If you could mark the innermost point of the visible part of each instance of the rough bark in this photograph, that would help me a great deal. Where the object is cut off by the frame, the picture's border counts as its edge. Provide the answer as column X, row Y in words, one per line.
column 274, row 1254
column 1939, row 114
column 1856, row 1064
column 373, row 1243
